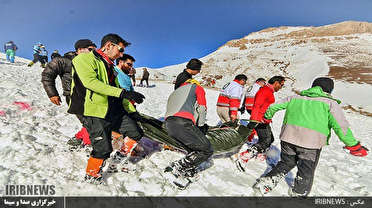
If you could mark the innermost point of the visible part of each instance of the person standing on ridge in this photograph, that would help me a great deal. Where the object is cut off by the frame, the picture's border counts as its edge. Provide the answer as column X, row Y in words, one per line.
column 229, row 99
column 192, row 69
column 307, row 124
column 145, row 77
column 43, row 56
column 95, row 94
column 62, row 67
column 10, row 49
column 36, row 52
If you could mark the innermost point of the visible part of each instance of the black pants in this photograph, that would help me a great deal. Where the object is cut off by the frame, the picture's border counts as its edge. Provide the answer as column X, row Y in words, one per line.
column 265, row 135
column 100, row 132
column 191, row 138
column 306, row 161
column 147, row 81
column 43, row 59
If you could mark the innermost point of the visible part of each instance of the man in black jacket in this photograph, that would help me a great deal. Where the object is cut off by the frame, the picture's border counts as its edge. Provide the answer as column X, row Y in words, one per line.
column 192, row 68
column 61, row 66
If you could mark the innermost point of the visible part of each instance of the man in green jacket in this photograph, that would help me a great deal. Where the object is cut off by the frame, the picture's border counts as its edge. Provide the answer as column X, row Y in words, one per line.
column 306, row 128
column 95, row 94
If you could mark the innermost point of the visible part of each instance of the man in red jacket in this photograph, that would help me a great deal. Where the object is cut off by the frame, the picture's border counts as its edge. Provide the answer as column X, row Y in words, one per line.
column 263, row 99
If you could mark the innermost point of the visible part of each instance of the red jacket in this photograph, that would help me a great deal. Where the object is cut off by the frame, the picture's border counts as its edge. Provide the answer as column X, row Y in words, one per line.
column 263, row 99
column 230, row 96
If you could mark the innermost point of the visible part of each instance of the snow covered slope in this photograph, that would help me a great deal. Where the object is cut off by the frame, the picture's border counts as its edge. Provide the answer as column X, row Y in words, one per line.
column 342, row 51
column 33, row 150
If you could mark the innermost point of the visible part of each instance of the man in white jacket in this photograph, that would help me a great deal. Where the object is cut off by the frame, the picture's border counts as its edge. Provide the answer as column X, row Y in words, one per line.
column 229, row 99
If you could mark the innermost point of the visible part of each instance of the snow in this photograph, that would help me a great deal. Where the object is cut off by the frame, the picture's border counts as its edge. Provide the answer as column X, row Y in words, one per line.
column 33, row 146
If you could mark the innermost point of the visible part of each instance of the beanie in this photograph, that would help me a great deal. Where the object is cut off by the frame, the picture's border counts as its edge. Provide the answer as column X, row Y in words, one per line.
column 194, row 64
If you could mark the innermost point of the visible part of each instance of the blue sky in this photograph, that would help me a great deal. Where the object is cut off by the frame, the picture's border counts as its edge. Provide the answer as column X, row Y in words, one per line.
column 162, row 32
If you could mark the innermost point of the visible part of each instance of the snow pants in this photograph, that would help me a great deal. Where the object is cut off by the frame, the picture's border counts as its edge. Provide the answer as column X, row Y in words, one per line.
column 43, row 59
column 265, row 135
column 188, row 135
column 100, row 132
column 147, row 81
column 306, row 161
column 10, row 55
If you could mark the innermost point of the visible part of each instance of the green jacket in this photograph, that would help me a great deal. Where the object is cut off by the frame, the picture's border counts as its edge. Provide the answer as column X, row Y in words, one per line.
column 90, row 88
column 309, row 118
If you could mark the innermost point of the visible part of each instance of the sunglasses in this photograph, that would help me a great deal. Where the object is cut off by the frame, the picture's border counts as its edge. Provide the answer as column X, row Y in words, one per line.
column 129, row 64
column 121, row 49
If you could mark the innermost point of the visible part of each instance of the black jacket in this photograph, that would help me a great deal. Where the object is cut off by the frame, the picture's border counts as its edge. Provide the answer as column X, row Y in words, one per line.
column 181, row 78
column 60, row 66
column 145, row 75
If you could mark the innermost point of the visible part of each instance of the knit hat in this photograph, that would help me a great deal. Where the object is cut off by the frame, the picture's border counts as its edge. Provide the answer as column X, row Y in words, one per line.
column 194, row 64
column 84, row 43
column 325, row 83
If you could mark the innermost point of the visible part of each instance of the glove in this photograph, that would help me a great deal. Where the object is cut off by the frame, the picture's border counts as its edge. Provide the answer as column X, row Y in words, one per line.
column 266, row 121
column 358, row 150
column 242, row 110
column 132, row 95
column 204, row 129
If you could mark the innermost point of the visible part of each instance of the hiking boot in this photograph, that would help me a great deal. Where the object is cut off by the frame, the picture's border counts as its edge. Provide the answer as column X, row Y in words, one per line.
column 94, row 180
column 129, row 147
column 75, row 143
column 180, row 176
column 245, row 154
column 292, row 193
column 30, row 64
column 180, row 169
column 266, row 184
column 117, row 159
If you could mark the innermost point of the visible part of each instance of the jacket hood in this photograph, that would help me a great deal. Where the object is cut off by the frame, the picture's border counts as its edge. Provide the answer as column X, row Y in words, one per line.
column 317, row 92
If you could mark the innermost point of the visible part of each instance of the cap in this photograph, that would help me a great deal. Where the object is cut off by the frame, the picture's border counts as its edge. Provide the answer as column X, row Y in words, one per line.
column 84, row 43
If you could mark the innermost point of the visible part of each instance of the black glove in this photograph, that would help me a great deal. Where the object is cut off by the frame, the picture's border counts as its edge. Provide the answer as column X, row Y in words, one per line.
column 241, row 110
column 132, row 95
column 204, row 129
